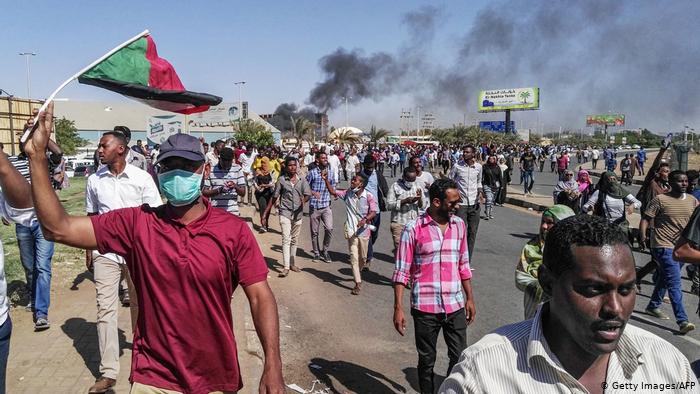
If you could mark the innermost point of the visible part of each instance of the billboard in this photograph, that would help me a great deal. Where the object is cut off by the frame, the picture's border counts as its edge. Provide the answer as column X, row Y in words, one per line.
column 159, row 128
column 497, row 126
column 605, row 120
column 518, row 99
column 218, row 116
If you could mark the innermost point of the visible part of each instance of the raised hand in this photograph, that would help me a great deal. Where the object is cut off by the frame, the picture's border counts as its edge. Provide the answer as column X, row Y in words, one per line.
column 38, row 141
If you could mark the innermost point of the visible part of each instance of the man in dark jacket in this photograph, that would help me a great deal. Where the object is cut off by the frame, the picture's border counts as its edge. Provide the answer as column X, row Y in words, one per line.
column 377, row 185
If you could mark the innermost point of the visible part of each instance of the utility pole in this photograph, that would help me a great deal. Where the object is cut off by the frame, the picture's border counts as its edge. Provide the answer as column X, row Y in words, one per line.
column 240, row 101
column 29, row 78
column 418, row 121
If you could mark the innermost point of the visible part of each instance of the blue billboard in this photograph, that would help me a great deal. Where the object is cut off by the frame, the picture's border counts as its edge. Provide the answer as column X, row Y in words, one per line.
column 498, row 126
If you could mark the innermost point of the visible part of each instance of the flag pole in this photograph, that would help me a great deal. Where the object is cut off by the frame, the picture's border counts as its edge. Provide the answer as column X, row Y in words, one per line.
column 76, row 75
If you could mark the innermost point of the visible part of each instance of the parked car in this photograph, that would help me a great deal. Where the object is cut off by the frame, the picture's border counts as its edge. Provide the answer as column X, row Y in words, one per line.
column 635, row 146
column 82, row 171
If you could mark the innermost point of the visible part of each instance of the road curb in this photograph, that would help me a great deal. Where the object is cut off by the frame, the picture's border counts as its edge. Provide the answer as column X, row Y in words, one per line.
column 526, row 204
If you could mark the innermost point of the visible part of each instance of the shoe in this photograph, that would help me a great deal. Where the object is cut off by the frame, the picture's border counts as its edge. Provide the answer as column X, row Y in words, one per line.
column 486, row 218
column 42, row 324
column 29, row 307
column 686, row 327
column 365, row 268
column 667, row 300
column 284, row 273
column 295, row 268
column 126, row 301
column 102, row 385
column 490, row 216
column 326, row 257
column 316, row 258
column 657, row 313
column 355, row 291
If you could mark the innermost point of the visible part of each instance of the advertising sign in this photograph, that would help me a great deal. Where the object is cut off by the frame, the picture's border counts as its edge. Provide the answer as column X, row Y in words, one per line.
column 217, row 116
column 159, row 128
column 605, row 120
column 518, row 99
column 497, row 126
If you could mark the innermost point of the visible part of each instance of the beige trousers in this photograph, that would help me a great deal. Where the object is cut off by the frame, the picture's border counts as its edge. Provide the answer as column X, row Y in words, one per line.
column 107, row 277
column 139, row 388
column 290, row 235
column 396, row 230
column 358, row 255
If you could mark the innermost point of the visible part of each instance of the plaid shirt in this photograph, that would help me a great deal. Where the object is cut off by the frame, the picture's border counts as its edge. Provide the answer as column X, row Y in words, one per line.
column 436, row 264
column 318, row 185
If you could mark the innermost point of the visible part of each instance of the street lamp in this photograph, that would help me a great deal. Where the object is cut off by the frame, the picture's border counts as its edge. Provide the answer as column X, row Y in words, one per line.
column 240, row 99
column 29, row 80
column 346, row 98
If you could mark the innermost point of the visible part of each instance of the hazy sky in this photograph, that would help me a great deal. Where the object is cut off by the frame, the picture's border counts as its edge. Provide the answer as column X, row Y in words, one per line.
column 639, row 58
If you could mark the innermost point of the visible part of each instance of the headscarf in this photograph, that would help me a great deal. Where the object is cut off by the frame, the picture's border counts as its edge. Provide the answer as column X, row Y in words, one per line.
column 264, row 168
column 583, row 184
column 531, row 260
column 566, row 185
column 610, row 188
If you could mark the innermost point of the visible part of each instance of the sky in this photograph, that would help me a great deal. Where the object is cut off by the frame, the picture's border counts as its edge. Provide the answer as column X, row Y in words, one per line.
column 638, row 58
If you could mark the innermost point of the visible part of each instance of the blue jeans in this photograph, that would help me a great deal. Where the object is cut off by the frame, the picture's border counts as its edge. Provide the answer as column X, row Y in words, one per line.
column 5, row 332
column 36, row 254
column 529, row 180
column 373, row 237
column 668, row 279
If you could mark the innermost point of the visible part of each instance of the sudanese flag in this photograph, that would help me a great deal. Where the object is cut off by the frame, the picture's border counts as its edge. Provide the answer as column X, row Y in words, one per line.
column 137, row 72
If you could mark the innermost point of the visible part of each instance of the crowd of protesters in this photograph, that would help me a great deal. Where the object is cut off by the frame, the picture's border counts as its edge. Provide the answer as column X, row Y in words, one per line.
column 436, row 196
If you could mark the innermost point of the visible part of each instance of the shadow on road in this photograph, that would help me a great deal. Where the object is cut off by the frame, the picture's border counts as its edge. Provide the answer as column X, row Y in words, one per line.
column 412, row 378
column 328, row 277
column 354, row 378
column 80, row 278
column 649, row 323
column 368, row 276
column 17, row 292
column 84, row 336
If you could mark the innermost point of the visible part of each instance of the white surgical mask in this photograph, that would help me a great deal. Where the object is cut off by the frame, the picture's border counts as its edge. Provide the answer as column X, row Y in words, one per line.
column 409, row 184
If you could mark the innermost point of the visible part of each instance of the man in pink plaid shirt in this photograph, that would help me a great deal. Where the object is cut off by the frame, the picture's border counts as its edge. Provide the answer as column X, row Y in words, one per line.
column 433, row 256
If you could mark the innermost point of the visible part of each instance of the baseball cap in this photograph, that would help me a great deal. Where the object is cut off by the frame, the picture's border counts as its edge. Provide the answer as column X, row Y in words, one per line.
column 181, row 145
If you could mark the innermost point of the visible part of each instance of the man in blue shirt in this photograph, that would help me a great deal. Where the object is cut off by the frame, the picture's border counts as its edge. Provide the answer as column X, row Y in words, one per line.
column 320, row 207
column 641, row 158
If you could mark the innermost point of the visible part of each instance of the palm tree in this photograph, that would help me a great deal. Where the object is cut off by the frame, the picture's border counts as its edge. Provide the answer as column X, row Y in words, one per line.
column 377, row 135
column 442, row 136
column 302, row 130
column 524, row 95
column 344, row 137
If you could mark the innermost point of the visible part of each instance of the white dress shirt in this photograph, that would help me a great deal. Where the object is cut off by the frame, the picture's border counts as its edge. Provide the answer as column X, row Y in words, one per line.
column 106, row 192
column 517, row 359
column 26, row 218
column 468, row 179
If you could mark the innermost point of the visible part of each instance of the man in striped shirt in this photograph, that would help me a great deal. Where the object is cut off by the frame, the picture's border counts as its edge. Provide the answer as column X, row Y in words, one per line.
column 225, row 183
column 433, row 255
column 579, row 341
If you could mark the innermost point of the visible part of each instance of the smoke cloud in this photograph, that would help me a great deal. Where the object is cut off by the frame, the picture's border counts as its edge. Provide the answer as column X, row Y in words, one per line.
column 633, row 57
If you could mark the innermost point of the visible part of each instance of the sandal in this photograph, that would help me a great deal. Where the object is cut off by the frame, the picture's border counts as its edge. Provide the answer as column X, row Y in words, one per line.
column 355, row 291
column 284, row 273
column 295, row 268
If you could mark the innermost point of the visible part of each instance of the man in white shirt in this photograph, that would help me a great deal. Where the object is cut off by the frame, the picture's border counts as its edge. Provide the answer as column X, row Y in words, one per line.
column 133, row 157
column 595, row 154
column 352, row 163
column 15, row 206
column 579, row 341
column 467, row 173
column 115, row 185
column 334, row 163
column 213, row 154
column 423, row 181
column 247, row 159
column 404, row 201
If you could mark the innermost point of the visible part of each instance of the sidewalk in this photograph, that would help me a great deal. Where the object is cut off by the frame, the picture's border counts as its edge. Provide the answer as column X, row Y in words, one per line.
column 65, row 358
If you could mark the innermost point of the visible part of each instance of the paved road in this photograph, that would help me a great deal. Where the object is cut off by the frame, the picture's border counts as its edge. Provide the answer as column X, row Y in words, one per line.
column 349, row 343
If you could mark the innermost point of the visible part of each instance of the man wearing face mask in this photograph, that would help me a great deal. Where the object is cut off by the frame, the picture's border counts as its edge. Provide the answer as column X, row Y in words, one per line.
column 185, row 259
column 468, row 175
column 434, row 246
column 378, row 187
column 225, row 183
column 405, row 201
column 115, row 185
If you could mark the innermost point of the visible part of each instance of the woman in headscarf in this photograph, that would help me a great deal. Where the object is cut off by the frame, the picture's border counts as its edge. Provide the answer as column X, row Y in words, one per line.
column 611, row 201
column 263, row 189
column 585, row 187
column 531, row 259
column 505, row 175
column 492, row 181
column 566, row 191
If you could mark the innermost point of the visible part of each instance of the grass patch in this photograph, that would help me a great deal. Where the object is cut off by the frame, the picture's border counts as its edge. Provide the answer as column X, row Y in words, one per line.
column 65, row 258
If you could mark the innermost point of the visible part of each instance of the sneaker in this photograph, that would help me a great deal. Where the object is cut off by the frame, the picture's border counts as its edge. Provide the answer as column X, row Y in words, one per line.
column 490, row 216
column 486, row 218
column 316, row 258
column 666, row 300
column 686, row 327
column 657, row 313
column 42, row 324
column 326, row 257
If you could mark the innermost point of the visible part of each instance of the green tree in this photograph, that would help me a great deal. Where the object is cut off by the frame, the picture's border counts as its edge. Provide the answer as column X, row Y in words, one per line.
column 524, row 96
column 377, row 135
column 67, row 136
column 345, row 137
column 443, row 136
column 251, row 131
column 302, row 130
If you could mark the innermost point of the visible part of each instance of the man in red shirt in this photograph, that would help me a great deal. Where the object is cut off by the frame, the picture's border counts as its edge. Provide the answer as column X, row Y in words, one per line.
column 188, row 261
